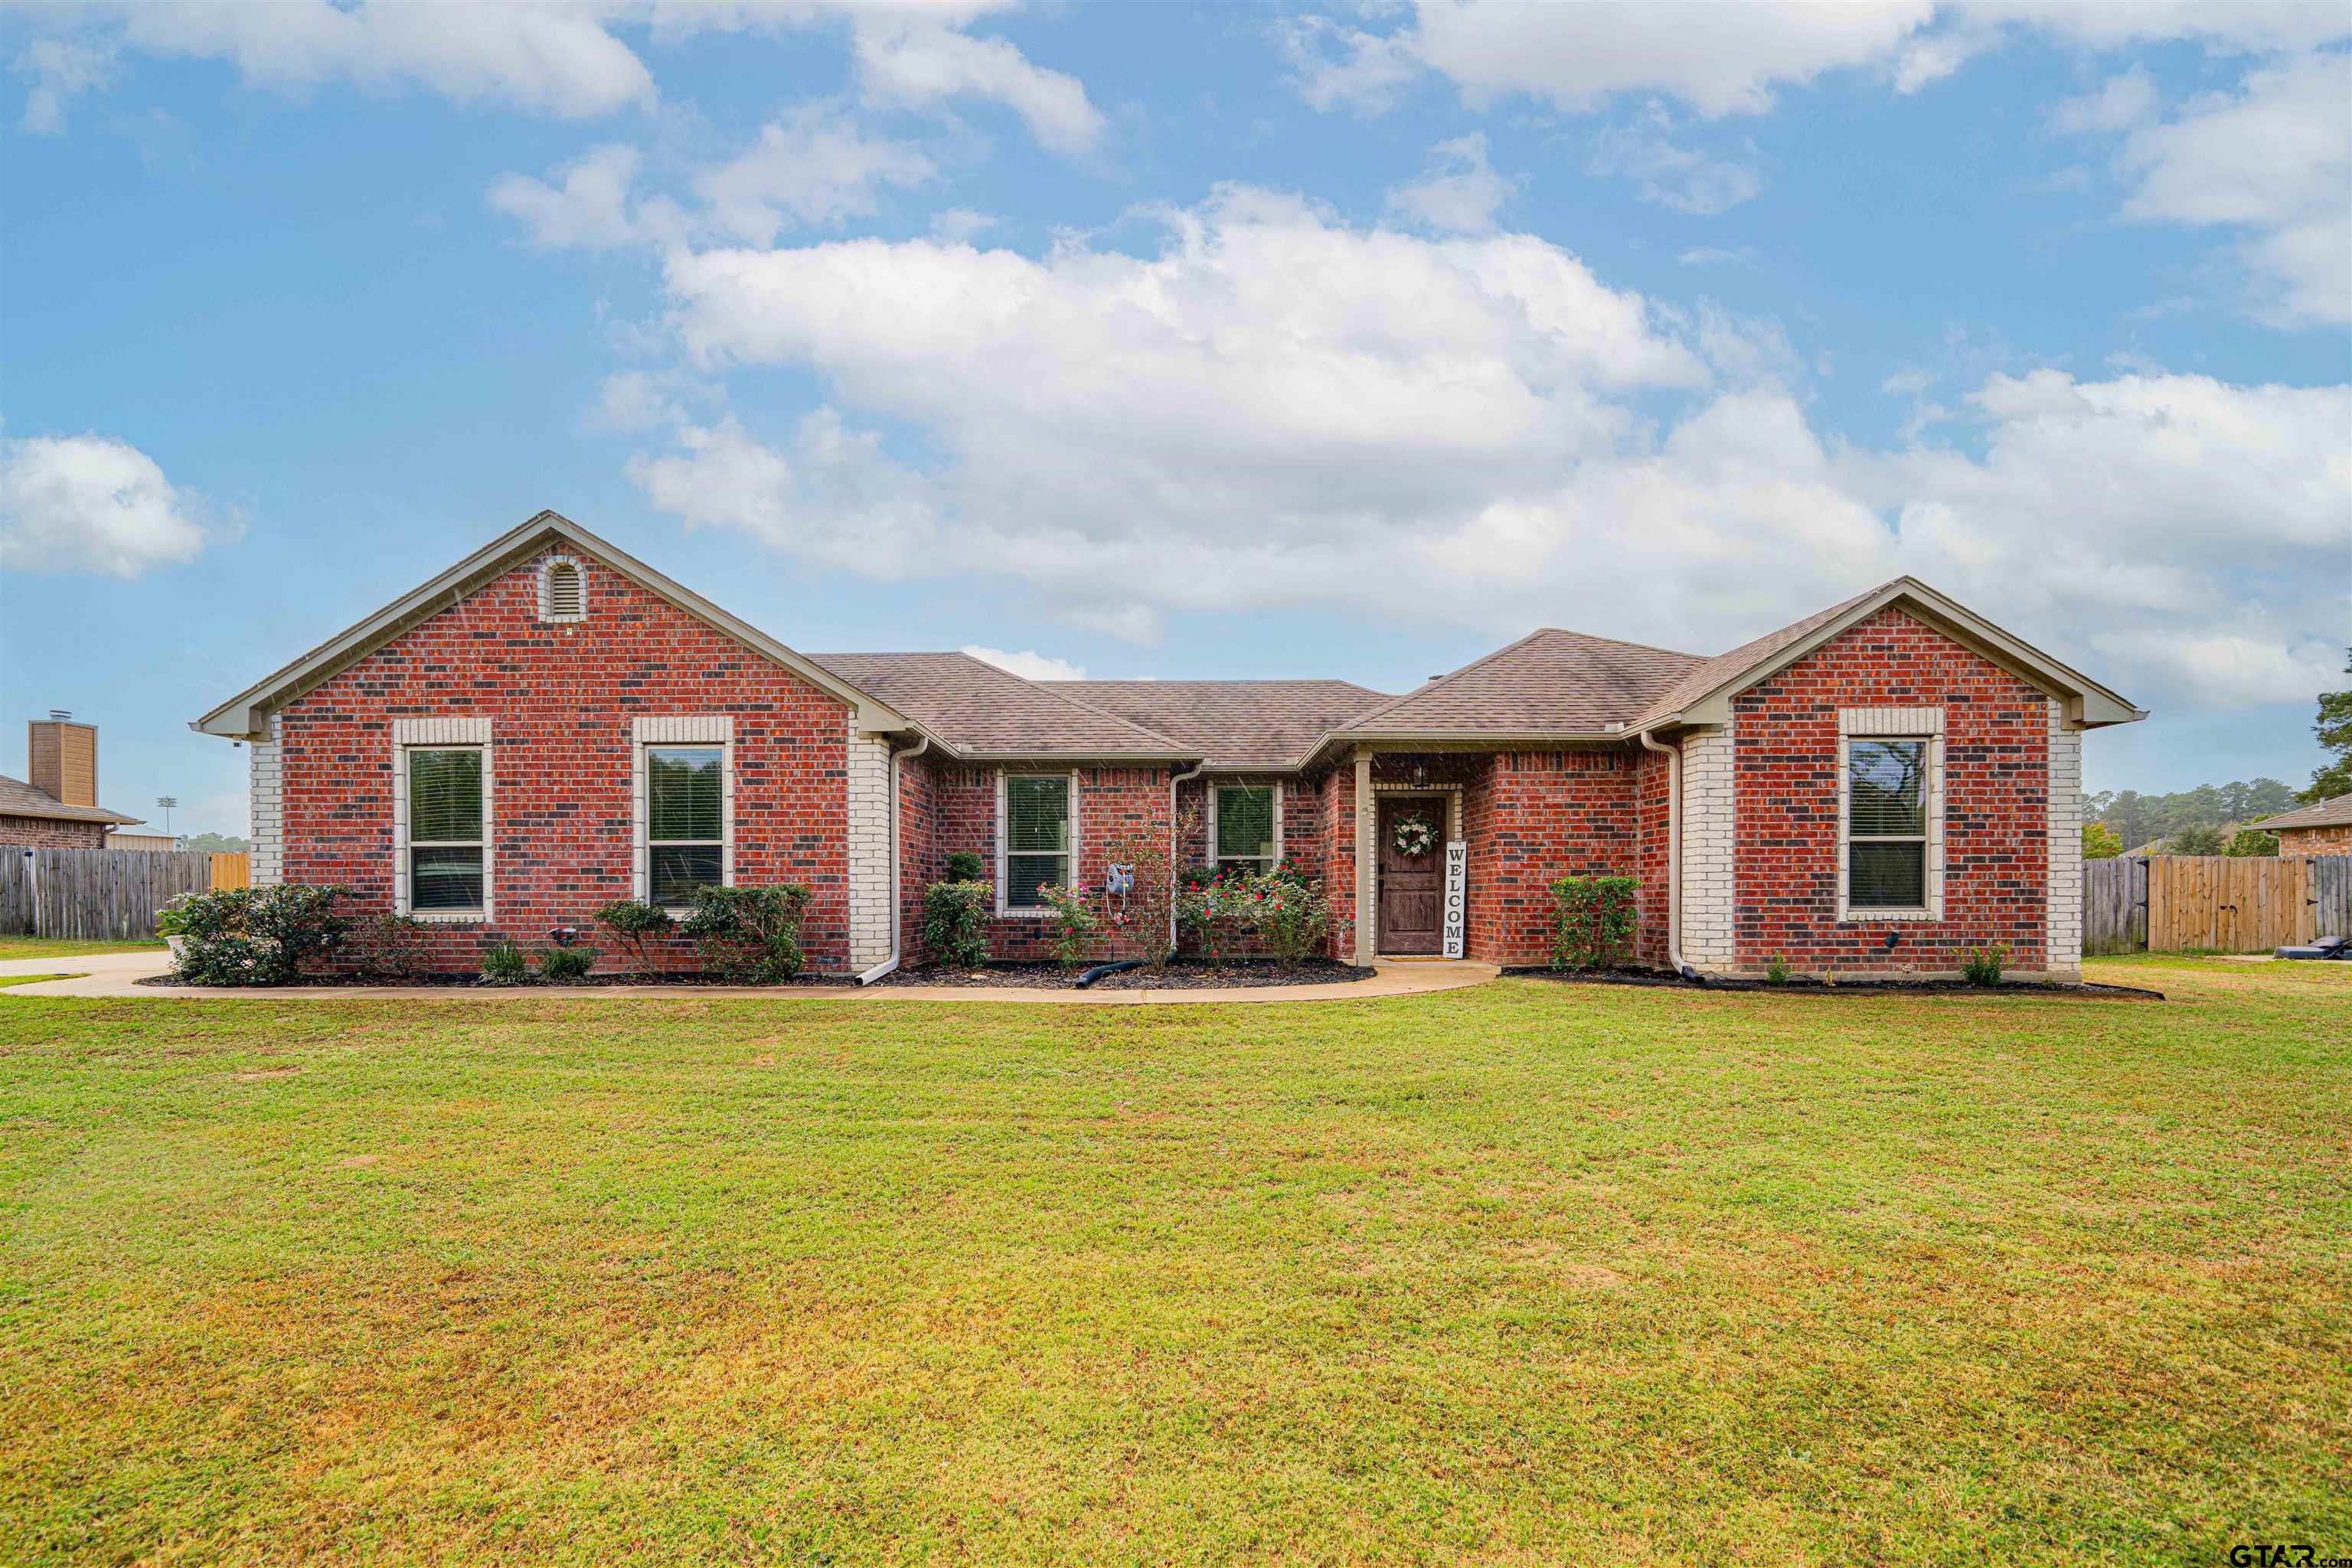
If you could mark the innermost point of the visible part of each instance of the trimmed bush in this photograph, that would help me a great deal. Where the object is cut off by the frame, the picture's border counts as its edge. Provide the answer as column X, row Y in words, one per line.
column 504, row 964
column 1982, row 965
column 750, row 934
column 257, row 936
column 631, row 921
column 1592, row 921
column 955, row 921
column 567, row 966
column 1777, row 971
column 965, row 866
column 389, row 947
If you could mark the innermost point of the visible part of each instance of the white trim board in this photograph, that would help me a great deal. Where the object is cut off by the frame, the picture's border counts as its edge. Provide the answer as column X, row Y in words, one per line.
column 679, row 730
column 449, row 734
column 1892, row 724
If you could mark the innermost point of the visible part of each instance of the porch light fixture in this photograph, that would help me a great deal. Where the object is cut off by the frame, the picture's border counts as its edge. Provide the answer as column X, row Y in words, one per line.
column 1420, row 774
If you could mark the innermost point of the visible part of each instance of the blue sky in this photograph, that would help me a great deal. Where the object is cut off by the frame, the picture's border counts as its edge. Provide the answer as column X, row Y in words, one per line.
column 1184, row 340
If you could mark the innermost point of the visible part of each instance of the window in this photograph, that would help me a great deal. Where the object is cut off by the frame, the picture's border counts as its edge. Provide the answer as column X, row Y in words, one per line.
column 1887, row 824
column 685, row 834
column 1247, row 820
column 444, row 830
column 1038, row 837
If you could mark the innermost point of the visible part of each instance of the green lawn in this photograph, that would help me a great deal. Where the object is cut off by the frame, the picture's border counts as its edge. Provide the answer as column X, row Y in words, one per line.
column 71, row 947
column 36, row 979
column 1528, row 1273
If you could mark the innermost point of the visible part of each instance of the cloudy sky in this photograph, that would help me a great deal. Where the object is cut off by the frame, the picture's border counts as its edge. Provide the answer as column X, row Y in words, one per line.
column 1184, row 340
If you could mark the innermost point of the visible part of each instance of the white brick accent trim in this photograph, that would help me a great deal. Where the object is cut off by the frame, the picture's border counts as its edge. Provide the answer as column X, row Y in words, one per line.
column 680, row 729
column 1894, row 724
column 1709, row 817
column 2064, row 935
column 869, row 848
column 448, row 733
column 546, row 591
column 1367, row 828
column 266, row 807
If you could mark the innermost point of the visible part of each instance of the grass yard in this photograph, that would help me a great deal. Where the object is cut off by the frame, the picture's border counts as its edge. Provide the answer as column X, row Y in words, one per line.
column 1530, row 1273
column 71, row 947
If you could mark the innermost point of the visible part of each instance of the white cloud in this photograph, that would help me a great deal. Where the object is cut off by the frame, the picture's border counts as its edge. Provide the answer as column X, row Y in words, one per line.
column 1275, row 409
column 90, row 503
column 61, row 69
column 1459, row 193
column 1716, row 256
column 1029, row 666
column 960, row 226
column 588, row 206
column 809, row 167
column 2123, row 102
column 2273, row 159
column 1677, row 178
column 905, row 59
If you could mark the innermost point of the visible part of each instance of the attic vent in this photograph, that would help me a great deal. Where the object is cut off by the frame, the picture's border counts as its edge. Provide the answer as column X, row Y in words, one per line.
column 562, row 590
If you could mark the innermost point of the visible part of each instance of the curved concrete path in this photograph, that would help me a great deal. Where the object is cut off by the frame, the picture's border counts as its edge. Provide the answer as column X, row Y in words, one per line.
column 116, row 974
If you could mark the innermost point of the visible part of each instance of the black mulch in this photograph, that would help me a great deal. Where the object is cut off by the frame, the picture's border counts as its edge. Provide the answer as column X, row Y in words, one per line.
column 1185, row 976
column 1814, row 987
column 667, row 982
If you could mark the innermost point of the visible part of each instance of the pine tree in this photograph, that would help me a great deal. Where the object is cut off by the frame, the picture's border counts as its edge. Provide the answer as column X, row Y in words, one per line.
column 2335, row 731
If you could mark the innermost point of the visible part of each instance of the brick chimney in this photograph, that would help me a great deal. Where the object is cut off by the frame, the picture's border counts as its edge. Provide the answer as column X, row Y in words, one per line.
column 62, row 757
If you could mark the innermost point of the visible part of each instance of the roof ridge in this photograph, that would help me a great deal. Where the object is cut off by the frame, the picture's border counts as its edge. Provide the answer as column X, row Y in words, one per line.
column 1427, row 686
column 1621, row 642
column 1082, row 707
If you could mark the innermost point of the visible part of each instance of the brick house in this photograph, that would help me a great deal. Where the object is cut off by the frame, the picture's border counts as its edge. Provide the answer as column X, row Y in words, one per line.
column 2325, row 828
column 550, row 725
column 55, row 807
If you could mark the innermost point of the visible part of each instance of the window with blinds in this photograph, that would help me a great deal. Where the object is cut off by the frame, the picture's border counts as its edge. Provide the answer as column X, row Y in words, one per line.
column 1246, row 839
column 445, row 830
column 1886, row 825
column 1037, row 836
column 685, row 822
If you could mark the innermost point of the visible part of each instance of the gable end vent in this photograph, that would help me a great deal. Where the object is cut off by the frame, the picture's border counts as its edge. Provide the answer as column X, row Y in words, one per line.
column 562, row 590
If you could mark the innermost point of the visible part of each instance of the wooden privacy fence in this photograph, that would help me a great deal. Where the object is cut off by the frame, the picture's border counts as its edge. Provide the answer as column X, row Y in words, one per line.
column 232, row 870
column 96, row 893
column 2170, row 903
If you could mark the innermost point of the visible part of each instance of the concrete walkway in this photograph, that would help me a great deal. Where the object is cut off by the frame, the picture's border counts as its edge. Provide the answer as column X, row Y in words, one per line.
column 116, row 974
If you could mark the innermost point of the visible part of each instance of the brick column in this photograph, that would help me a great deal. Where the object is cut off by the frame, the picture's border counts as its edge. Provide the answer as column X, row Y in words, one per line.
column 869, row 849
column 1368, row 861
column 2064, row 930
column 1709, row 885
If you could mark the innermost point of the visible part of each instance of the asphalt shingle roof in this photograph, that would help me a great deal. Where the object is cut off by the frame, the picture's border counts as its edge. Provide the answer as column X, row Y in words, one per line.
column 1547, row 682
column 18, row 798
column 982, row 710
column 2334, row 812
column 1236, row 724
column 1707, row 674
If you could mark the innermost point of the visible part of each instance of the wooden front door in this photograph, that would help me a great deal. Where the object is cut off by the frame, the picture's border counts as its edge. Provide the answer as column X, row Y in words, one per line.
column 1412, row 886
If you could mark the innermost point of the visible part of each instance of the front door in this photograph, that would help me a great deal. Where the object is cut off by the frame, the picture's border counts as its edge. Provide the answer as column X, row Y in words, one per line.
column 1412, row 886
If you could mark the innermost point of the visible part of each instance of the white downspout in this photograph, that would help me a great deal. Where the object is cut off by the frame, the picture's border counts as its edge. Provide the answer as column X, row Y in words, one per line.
column 1673, row 755
column 1175, row 848
column 897, row 906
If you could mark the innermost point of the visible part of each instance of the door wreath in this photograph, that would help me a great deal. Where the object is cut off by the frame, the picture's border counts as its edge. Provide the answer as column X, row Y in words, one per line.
column 1414, row 837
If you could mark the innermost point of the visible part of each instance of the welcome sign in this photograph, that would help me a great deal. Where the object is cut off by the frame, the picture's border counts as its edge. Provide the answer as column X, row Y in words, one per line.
column 1457, row 875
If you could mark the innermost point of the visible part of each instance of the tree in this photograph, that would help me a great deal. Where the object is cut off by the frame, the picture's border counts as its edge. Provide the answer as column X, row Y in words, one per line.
column 2100, row 842
column 2197, row 838
column 214, row 843
column 2252, row 843
column 2334, row 729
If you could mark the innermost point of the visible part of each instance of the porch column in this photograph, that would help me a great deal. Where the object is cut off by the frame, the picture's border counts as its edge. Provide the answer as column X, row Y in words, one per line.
column 1368, row 862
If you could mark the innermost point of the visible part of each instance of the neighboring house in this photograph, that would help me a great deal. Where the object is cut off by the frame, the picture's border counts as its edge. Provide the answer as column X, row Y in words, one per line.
column 152, row 843
column 550, row 725
column 57, row 809
column 2322, row 829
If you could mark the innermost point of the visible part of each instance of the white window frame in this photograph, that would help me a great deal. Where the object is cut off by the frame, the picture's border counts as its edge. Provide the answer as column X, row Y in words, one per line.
column 680, row 729
column 1004, row 838
column 1891, row 724
column 442, row 734
column 1216, row 790
column 547, row 589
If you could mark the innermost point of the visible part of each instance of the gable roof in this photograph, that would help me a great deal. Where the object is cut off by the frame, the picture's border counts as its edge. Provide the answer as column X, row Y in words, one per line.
column 1234, row 725
column 1703, row 695
column 2335, row 812
column 975, row 710
column 1550, row 682
column 242, row 715
column 18, row 798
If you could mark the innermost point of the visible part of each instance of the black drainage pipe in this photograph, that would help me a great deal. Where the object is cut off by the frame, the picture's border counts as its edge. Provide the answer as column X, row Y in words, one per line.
column 1099, row 970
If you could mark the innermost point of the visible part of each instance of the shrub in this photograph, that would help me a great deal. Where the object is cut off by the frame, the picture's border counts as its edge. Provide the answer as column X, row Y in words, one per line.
column 631, row 921
column 1214, row 906
column 955, row 922
column 504, row 964
column 1592, row 920
column 567, row 966
column 1074, row 923
column 750, row 933
column 172, row 920
column 2100, row 842
column 1291, row 915
column 389, row 946
column 965, row 866
column 1982, row 965
column 1143, row 917
column 1777, row 971
column 256, row 936
column 2250, row 843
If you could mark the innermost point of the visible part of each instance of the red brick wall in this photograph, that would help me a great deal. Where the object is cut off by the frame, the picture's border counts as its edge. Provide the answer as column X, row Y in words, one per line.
column 560, row 700
column 1653, row 840
column 918, row 853
column 1339, row 814
column 1113, row 803
column 1995, row 797
column 50, row 833
column 1529, row 818
column 2334, row 839
column 1302, row 812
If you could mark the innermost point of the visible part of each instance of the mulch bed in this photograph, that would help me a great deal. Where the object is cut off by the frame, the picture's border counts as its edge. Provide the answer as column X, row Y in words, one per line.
column 359, row 981
column 1814, row 987
column 1180, row 976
